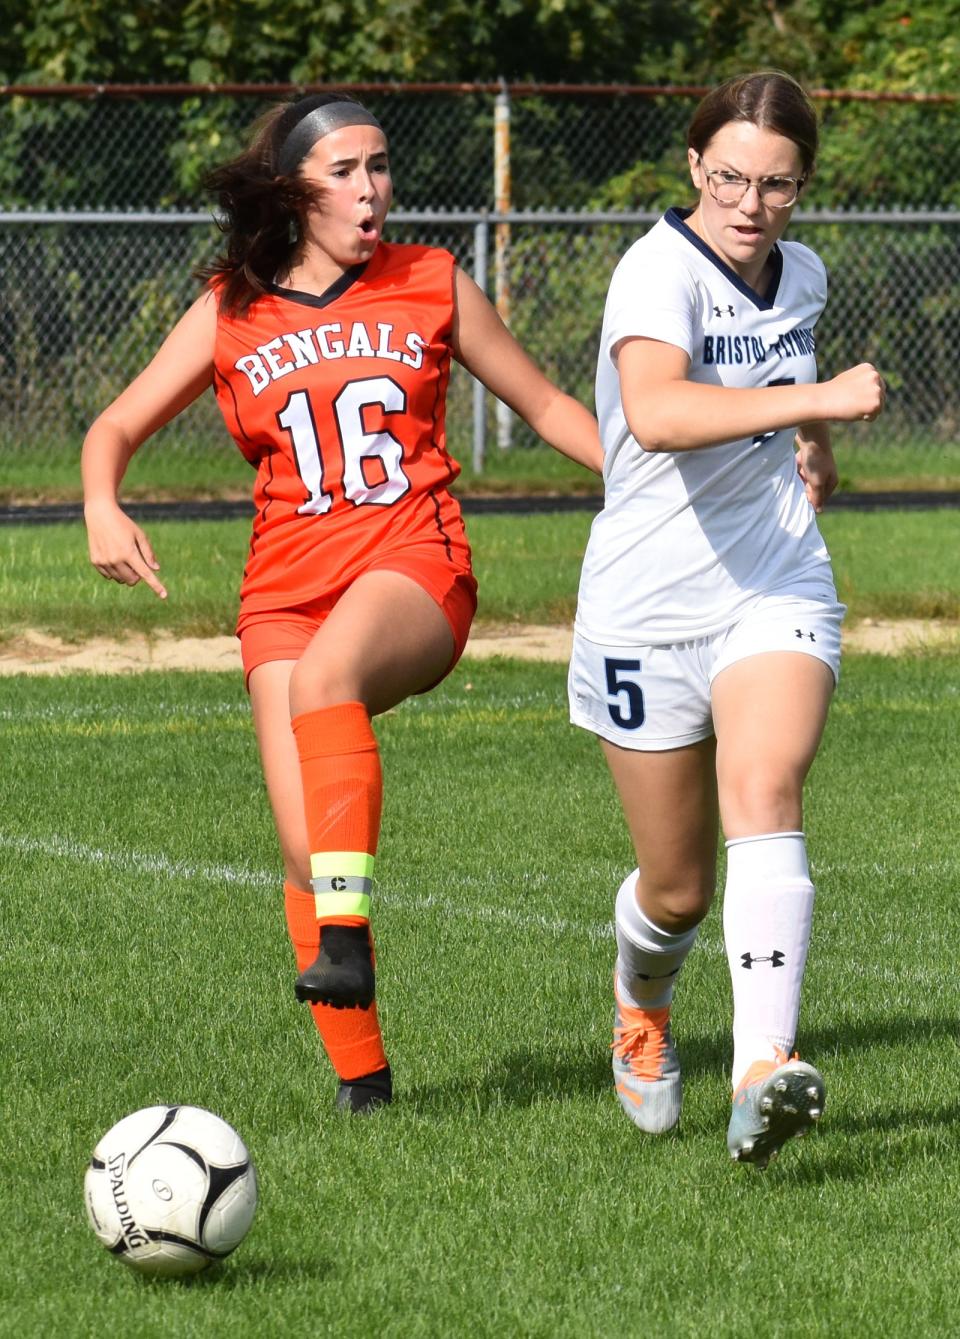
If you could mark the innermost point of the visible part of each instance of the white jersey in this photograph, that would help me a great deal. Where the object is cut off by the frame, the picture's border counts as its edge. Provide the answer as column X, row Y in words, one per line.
column 687, row 540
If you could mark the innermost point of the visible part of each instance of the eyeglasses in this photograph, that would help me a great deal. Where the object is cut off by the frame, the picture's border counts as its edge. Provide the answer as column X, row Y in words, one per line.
column 729, row 188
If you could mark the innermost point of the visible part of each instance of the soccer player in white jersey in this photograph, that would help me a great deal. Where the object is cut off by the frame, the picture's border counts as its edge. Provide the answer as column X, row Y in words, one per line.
column 707, row 636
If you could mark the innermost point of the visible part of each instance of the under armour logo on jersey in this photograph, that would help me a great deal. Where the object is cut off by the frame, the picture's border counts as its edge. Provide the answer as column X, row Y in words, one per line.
column 775, row 959
column 801, row 634
column 719, row 311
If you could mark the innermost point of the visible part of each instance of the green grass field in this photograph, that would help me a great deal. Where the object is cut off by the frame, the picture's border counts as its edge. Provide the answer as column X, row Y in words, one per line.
column 503, row 1194
column 180, row 468
column 145, row 960
column 888, row 565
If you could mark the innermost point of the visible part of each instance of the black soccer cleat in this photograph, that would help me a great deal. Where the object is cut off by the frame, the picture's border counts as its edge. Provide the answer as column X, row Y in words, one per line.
column 342, row 973
column 362, row 1096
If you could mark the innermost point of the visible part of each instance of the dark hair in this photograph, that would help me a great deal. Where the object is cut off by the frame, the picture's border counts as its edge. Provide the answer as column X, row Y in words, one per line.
column 768, row 99
column 260, row 210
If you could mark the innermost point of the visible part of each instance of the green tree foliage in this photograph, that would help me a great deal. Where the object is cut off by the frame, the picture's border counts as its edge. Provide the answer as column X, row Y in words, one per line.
column 826, row 43
column 77, row 41
column 838, row 44
column 565, row 153
column 889, row 158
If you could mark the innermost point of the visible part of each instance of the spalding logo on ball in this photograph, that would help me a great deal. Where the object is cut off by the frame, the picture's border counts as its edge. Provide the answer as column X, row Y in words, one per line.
column 171, row 1189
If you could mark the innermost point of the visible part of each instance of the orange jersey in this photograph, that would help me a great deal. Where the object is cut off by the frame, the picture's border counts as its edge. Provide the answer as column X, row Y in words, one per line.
column 339, row 402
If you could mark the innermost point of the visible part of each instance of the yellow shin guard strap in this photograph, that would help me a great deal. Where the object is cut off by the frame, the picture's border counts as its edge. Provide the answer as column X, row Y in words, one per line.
column 341, row 882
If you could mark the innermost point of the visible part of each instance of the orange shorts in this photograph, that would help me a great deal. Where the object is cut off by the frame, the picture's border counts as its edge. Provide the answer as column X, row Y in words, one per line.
column 283, row 634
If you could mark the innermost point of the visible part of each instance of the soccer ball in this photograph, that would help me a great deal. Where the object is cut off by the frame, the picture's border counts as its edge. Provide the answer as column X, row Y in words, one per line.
column 170, row 1189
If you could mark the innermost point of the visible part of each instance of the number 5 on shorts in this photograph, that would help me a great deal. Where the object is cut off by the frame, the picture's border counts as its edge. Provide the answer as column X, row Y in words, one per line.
column 617, row 684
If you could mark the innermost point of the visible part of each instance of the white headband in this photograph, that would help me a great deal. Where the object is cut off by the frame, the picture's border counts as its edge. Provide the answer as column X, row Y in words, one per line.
column 312, row 127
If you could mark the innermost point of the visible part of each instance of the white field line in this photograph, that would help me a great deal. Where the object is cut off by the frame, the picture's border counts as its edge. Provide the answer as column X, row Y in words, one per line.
column 145, row 862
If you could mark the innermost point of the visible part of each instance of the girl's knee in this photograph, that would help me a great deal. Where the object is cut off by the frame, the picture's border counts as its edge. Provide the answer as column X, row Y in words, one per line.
column 315, row 685
column 679, row 904
column 758, row 801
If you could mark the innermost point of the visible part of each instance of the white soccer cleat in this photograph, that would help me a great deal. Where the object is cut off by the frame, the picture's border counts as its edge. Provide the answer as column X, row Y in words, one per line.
column 646, row 1070
column 774, row 1102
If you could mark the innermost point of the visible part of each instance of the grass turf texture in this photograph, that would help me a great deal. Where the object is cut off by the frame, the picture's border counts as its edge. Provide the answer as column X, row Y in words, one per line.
column 888, row 564
column 145, row 960
column 869, row 461
column 216, row 469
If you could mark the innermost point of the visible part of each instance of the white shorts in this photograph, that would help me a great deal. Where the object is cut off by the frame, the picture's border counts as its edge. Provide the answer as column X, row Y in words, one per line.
column 658, row 697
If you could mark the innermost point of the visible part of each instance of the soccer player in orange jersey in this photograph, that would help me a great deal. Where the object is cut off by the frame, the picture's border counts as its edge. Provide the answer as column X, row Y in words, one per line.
column 329, row 352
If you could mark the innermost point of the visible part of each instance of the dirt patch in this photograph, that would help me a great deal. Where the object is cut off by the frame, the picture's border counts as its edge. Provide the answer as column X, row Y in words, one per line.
column 40, row 653
column 898, row 636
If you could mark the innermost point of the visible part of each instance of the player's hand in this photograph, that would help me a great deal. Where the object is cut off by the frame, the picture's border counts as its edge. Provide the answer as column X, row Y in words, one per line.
column 818, row 470
column 119, row 549
column 858, row 393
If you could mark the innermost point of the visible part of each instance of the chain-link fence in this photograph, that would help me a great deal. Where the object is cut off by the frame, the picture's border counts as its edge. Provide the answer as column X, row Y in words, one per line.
column 569, row 147
column 86, row 297
column 84, row 303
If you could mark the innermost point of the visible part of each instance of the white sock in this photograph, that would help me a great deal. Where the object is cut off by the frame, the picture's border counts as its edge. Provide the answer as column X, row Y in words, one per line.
column 648, row 958
column 767, row 912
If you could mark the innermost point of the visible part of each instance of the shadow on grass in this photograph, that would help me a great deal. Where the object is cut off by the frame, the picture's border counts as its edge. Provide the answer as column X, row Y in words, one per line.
column 250, row 1270
column 872, row 1033
column 529, row 1077
column 856, row 1153
column 524, row 1078
column 519, row 1079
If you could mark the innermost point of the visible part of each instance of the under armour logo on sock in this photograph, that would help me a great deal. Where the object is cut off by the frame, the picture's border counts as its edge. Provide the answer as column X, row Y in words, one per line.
column 775, row 959
column 801, row 634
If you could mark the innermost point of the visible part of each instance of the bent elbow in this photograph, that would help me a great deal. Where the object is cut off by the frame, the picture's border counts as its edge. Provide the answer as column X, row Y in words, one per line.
column 652, row 428
column 651, row 436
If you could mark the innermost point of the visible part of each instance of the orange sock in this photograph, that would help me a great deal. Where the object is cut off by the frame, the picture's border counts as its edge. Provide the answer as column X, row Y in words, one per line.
column 351, row 1036
column 343, row 797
